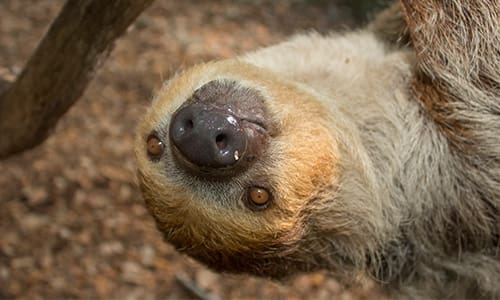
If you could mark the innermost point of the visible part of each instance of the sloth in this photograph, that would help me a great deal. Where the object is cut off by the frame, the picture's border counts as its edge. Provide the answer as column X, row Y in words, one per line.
column 371, row 153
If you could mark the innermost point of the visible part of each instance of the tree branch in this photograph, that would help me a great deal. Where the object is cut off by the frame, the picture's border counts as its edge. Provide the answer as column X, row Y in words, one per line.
column 57, row 74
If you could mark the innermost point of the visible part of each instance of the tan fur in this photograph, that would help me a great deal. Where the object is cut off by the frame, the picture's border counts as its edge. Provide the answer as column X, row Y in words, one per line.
column 383, row 159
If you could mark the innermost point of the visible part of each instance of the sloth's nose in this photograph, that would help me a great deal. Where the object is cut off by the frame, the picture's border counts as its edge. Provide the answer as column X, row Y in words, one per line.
column 220, row 130
column 208, row 137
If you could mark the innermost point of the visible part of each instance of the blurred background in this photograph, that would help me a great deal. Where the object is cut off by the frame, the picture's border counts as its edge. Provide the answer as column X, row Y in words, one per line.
column 72, row 221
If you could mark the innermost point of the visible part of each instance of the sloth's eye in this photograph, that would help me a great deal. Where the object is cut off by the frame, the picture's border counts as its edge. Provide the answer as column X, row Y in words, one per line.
column 258, row 197
column 154, row 147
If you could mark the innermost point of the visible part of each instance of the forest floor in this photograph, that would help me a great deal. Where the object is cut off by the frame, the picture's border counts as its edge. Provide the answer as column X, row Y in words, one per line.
column 72, row 221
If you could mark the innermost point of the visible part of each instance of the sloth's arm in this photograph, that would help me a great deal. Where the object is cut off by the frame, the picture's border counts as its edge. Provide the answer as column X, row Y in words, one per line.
column 459, row 37
column 457, row 45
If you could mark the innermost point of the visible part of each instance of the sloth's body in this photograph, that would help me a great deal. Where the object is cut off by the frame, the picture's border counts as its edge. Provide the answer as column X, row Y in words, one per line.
column 375, row 159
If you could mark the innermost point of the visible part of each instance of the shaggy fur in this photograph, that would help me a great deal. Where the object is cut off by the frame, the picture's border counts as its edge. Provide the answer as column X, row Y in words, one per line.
column 384, row 158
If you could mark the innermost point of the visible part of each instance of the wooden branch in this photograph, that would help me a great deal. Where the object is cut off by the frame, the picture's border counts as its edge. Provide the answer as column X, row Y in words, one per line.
column 57, row 74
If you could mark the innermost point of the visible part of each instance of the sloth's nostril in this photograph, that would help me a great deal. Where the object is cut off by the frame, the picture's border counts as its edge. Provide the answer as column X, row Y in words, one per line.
column 221, row 141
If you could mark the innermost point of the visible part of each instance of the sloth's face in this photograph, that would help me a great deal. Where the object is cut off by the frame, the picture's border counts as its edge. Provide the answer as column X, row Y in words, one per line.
column 232, row 162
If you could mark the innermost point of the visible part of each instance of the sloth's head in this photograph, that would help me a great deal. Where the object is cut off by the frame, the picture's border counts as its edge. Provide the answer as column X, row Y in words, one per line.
column 249, row 173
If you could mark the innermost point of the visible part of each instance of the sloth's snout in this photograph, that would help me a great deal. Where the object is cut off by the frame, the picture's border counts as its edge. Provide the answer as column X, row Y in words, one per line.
column 208, row 137
column 220, row 130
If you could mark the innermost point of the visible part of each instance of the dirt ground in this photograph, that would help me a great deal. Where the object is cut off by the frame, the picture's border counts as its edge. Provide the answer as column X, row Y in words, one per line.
column 72, row 221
